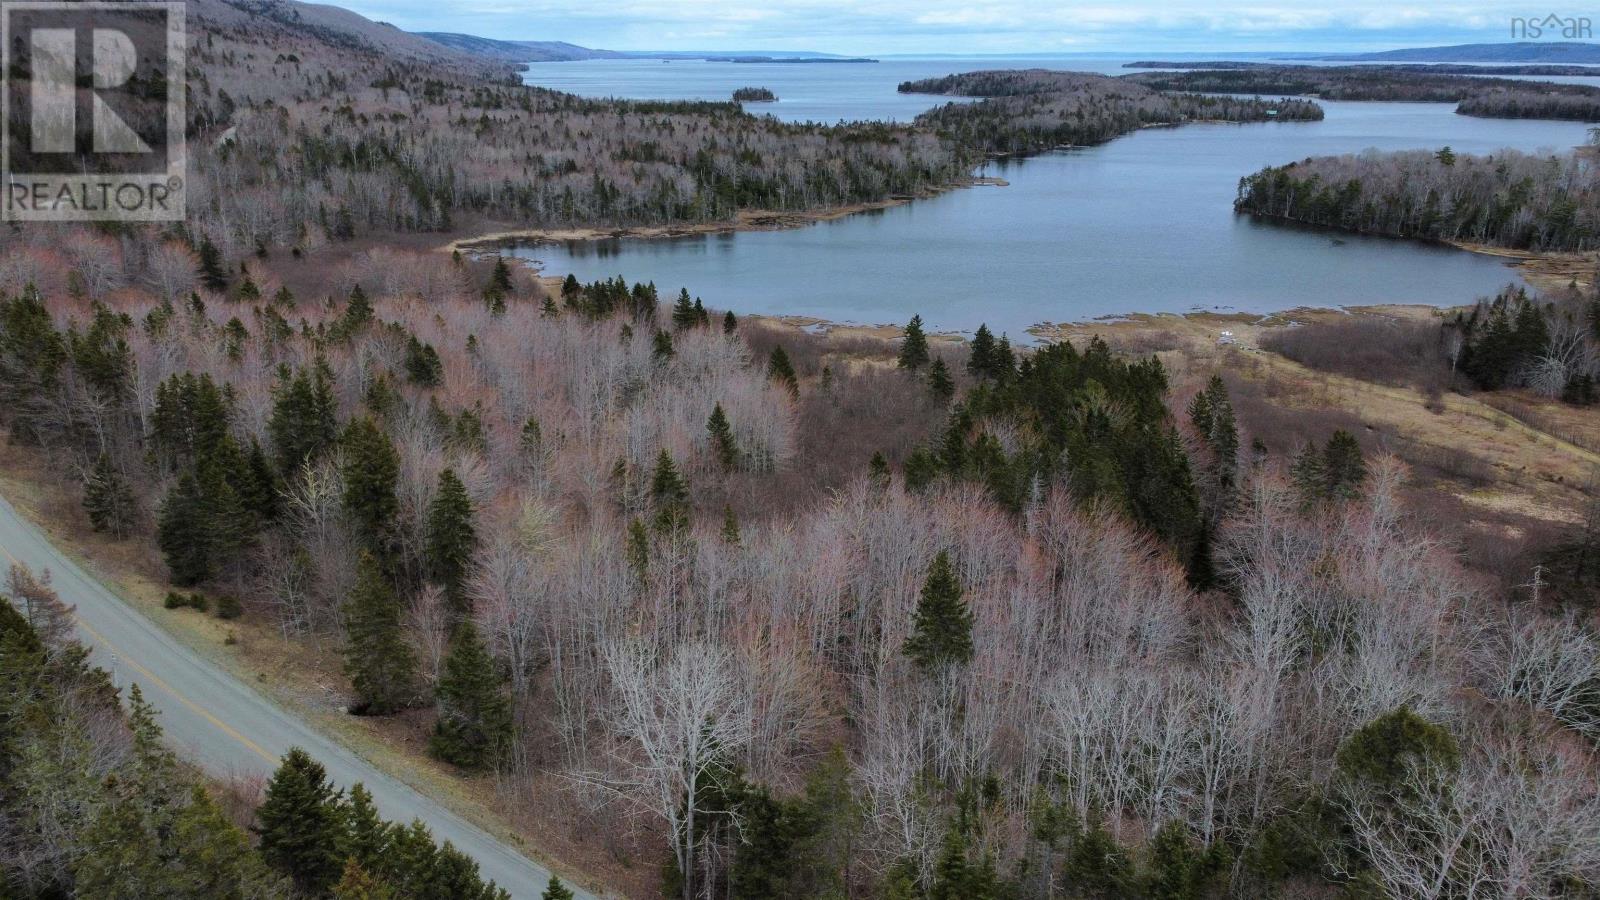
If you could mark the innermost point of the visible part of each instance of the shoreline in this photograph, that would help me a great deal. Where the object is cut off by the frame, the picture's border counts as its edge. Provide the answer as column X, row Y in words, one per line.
column 1546, row 272
column 744, row 220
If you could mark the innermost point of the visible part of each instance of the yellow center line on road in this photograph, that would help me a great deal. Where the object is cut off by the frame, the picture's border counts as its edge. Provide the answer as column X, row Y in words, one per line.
column 157, row 680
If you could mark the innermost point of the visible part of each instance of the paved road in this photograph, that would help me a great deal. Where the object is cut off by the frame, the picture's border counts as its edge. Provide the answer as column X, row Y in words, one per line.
column 227, row 727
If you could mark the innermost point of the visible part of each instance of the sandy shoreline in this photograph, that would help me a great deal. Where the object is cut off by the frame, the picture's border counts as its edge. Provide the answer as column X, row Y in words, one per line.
column 1545, row 271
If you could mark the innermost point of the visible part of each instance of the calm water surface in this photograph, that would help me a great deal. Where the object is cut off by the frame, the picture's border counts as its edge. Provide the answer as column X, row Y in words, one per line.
column 1142, row 224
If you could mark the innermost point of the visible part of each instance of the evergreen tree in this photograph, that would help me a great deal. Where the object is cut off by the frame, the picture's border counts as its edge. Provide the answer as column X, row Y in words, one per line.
column 108, row 499
column 1308, row 474
column 371, row 469
column 779, row 369
column 259, row 485
column 474, row 724
column 1382, row 752
column 358, row 313
column 722, row 443
column 213, row 274
column 730, row 323
column 184, row 533
column 730, row 527
column 638, row 551
column 300, row 826
column 683, row 314
column 940, row 382
column 1344, row 470
column 555, row 890
column 980, row 360
column 451, row 540
column 1005, row 362
column 377, row 657
column 942, row 627
column 500, row 278
column 367, row 836
column 669, row 495
column 661, row 348
column 1178, row 870
column 304, row 423
column 32, row 355
column 423, row 366
column 914, row 347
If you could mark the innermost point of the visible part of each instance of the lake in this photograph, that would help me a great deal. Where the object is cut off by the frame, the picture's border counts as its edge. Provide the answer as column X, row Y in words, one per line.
column 1141, row 224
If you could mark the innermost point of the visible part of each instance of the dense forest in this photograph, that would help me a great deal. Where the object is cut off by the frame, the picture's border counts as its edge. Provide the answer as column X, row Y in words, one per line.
column 93, row 805
column 1031, row 110
column 1508, row 199
column 1547, row 70
column 1501, row 98
column 981, row 622
column 303, row 135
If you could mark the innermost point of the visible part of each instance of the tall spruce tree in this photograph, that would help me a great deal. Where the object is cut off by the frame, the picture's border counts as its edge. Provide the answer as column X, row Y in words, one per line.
column 779, row 369
column 451, row 540
column 184, row 534
column 371, row 470
column 555, row 890
column 377, row 657
column 108, row 499
column 661, row 347
column 422, row 363
column 474, row 725
column 722, row 443
column 669, row 495
column 1344, row 469
column 304, row 423
column 683, row 314
column 914, row 346
column 300, row 825
column 940, row 382
column 980, row 359
column 213, row 274
column 1308, row 475
column 730, row 322
column 941, row 631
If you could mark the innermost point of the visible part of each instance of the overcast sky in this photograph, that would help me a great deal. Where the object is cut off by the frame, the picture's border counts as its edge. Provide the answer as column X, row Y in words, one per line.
column 962, row 26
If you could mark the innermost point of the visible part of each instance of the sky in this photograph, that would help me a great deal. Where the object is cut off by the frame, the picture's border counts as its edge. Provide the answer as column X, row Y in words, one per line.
column 886, row 27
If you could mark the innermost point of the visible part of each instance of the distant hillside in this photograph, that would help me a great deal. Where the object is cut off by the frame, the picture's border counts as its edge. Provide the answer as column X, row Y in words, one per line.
column 561, row 51
column 515, row 51
column 330, row 25
column 1521, row 52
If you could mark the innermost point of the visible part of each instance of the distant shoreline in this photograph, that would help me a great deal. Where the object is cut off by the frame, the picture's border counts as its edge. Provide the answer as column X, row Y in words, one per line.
column 745, row 220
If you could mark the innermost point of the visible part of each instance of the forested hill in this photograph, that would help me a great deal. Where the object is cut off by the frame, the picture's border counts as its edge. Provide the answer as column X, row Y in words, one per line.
column 1510, row 199
column 1503, row 98
column 343, row 128
column 1520, row 51
column 1032, row 110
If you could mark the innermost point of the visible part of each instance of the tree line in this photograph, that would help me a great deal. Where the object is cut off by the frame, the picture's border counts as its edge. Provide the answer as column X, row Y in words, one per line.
column 1033, row 110
column 1507, row 199
column 1475, row 95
